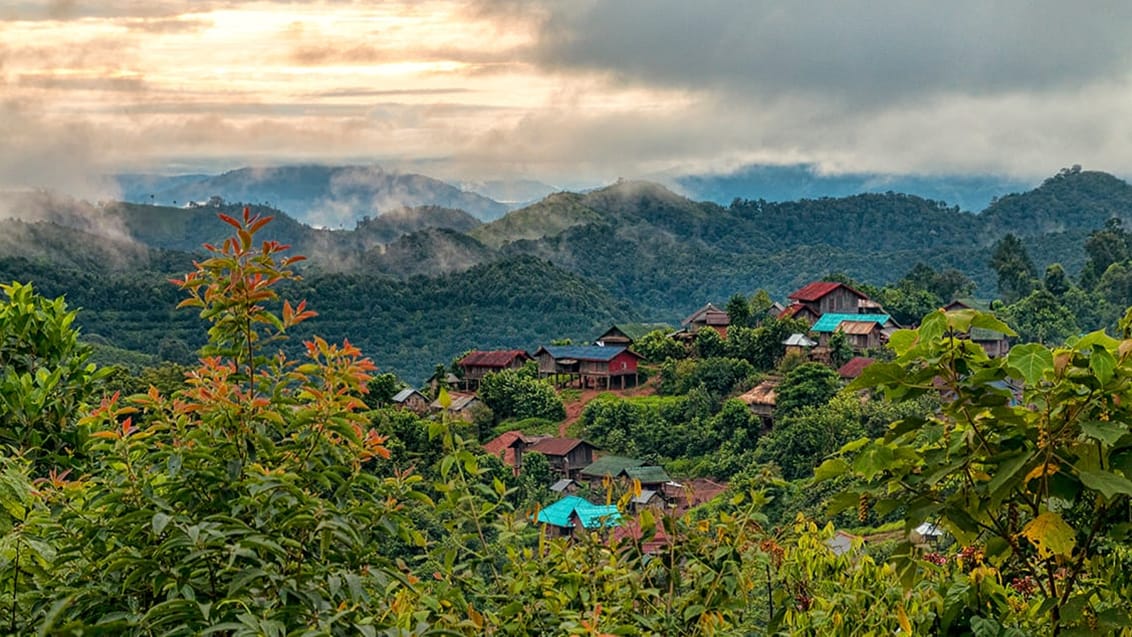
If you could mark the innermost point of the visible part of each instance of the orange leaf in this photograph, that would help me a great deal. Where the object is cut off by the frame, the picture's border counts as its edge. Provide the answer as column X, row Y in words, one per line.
column 229, row 220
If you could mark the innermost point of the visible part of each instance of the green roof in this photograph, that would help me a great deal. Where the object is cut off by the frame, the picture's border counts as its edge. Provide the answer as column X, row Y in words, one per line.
column 592, row 516
column 609, row 466
column 636, row 331
column 829, row 322
column 647, row 475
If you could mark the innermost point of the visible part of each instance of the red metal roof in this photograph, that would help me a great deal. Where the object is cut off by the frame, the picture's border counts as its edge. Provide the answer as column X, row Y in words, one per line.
column 791, row 311
column 854, row 367
column 555, row 446
column 818, row 289
column 496, row 358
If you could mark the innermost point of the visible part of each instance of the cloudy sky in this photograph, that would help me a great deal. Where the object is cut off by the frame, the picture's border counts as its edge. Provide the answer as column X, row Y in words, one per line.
column 565, row 91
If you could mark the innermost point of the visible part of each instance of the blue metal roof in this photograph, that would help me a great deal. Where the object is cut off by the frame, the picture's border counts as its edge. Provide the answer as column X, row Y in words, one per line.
column 829, row 322
column 592, row 516
column 584, row 352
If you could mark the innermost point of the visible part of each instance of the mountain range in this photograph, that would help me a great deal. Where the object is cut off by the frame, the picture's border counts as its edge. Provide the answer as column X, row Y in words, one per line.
column 417, row 286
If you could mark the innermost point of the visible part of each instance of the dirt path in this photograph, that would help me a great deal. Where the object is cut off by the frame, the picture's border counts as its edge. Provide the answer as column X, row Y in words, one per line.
column 575, row 407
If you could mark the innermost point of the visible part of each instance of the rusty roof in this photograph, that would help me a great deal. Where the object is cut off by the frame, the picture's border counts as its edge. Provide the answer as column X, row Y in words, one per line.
column 818, row 289
column 857, row 327
column 854, row 367
column 555, row 446
column 495, row 358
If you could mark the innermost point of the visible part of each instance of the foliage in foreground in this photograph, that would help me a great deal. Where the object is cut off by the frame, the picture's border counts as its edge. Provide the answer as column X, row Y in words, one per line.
column 256, row 499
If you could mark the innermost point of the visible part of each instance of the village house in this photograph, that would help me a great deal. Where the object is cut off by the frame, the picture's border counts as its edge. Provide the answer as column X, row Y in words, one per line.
column 573, row 514
column 566, row 456
column 707, row 316
column 411, row 400
column 608, row 467
column 799, row 345
column 812, row 301
column 626, row 334
column 761, row 400
column 596, row 366
column 995, row 344
column 502, row 446
column 462, row 406
column 477, row 364
column 863, row 331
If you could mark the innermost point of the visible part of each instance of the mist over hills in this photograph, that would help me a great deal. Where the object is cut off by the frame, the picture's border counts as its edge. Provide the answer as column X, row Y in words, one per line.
column 323, row 196
column 423, row 284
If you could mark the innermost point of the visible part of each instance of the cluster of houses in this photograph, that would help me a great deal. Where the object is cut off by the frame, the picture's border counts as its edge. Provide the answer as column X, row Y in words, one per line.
column 610, row 363
column 578, row 465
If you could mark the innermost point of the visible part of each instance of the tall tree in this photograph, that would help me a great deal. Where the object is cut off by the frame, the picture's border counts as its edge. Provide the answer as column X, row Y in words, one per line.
column 1016, row 271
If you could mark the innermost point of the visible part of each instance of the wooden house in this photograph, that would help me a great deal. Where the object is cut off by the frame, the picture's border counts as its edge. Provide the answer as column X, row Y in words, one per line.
column 799, row 344
column 502, row 446
column 477, row 364
column 566, row 456
column 761, row 400
column 573, row 514
column 462, row 405
column 596, row 366
column 825, row 297
column 994, row 343
column 608, row 467
column 864, row 331
column 411, row 400
column 707, row 316
column 626, row 334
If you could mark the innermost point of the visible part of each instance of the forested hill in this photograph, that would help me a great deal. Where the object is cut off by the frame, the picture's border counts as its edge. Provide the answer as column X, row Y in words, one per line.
column 630, row 250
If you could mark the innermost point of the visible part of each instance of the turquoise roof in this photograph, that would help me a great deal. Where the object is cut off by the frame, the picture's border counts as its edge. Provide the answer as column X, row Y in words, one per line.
column 829, row 322
column 592, row 516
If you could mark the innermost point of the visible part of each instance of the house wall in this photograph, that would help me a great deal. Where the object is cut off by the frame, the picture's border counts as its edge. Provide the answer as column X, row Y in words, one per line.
column 623, row 363
column 546, row 363
column 839, row 301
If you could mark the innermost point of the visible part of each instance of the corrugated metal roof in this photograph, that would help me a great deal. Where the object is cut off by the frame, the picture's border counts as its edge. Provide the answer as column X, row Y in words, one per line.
column 562, row 485
column 799, row 340
column 701, row 315
column 585, row 352
column 404, row 394
column 817, row 289
column 646, row 495
column 555, row 446
column 495, row 358
column 854, row 367
column 636, row 331
column 460, row 402
column 858, row 327
column 504, row 443
column 647, row 475
column 829, row 322
column 609, row 466
column 591, row 516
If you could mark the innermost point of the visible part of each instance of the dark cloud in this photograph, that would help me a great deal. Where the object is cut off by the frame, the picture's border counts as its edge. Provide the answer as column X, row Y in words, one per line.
column 860, row 52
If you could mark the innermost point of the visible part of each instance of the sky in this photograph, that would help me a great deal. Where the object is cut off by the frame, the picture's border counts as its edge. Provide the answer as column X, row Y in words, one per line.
column 564, row 91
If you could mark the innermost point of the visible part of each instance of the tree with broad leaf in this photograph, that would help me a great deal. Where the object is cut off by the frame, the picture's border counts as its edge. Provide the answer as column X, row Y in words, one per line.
column 1028, row 464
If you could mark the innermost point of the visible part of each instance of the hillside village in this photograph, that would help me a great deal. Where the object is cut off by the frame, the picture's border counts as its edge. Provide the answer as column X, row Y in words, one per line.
column 837, row 326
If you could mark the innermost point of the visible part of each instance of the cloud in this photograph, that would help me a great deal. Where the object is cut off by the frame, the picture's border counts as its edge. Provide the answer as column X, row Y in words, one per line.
column 859, row 52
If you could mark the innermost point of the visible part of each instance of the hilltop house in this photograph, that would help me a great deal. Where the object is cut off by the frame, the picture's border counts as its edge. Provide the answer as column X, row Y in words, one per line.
column 567, row 456
column 462, row 405
column 853, row 368
column 761, row 400
column 600, row 367
column 572, row 514
column 626, row 334
column 410, row 399
column 707, row 316
column 608, row 467
column 477, row 364
column 864, row 331
column 994, row 343
column 503, row 446
column 812, row 301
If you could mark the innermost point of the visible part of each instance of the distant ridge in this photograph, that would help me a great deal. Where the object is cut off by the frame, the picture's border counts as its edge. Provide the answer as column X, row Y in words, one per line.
column 321, row 196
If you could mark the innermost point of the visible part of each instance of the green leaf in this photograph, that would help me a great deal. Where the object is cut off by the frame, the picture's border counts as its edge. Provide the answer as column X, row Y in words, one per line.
column 1103, row 364
column 989, row 322
column 159, row 522
column 1051, row 535
column 1108, row 433
column 1030, row 361
column 878, row 374
column 1108, row 483
column 901, row 341
column 831, row 468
